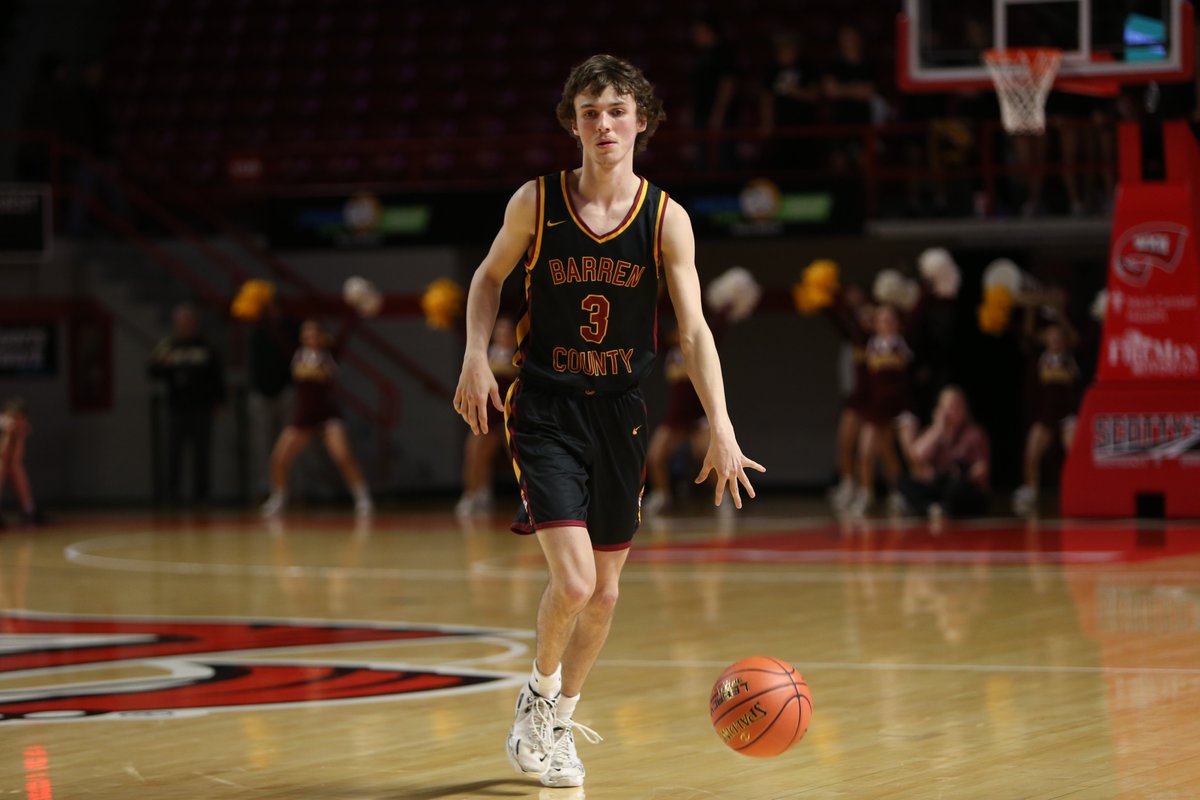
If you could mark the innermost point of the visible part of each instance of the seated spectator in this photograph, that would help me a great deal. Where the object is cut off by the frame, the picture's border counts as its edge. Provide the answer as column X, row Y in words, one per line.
column 949, row 472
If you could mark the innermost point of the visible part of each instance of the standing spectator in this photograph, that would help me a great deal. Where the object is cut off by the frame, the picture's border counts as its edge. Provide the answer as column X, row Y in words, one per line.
column 714, row 82
column 789, row 100
column 850, row 88
column 191, row 369
column 950, row 469
column 14, row 430
column 273, row 342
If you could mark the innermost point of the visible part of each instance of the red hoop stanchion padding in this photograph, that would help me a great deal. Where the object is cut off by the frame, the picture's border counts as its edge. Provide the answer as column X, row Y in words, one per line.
column 1023, row 77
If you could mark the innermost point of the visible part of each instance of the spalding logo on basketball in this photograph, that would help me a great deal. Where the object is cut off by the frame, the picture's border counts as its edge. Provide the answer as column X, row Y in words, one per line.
column 760, row 706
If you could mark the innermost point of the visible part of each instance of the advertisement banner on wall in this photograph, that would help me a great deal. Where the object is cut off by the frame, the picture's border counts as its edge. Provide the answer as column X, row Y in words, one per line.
column 28, row 348
column 25, row 229
column 1152, row 321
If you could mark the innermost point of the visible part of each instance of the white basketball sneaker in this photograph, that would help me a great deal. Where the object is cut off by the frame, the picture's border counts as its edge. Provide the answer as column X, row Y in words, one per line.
column 531, row 737
column 565, row 768
column 274, row 506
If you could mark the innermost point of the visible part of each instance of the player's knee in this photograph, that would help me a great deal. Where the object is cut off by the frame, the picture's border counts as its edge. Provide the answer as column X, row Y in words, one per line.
column 574, row 592
column 604, row 599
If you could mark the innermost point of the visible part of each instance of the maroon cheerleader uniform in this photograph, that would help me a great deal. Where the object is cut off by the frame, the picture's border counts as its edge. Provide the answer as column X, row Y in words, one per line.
column 845, row 319
column 684, row 409
column 1056, row 390
column 313, row 373
column 889, row 386
column 500, row 361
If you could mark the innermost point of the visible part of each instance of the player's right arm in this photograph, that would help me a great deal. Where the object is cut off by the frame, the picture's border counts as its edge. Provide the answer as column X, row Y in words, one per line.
column 476, row 383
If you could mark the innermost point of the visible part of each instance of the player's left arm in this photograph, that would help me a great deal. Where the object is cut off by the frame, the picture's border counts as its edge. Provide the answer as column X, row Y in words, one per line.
column 724, row 457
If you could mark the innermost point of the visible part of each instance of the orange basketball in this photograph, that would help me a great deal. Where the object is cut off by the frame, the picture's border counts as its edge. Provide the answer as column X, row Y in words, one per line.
column 760, row 706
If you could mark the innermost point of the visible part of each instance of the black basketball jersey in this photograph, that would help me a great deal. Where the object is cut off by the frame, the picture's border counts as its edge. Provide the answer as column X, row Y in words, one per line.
column 590, row 319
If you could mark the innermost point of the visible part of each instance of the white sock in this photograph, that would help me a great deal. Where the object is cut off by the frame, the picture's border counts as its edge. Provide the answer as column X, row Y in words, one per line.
column 546, row 685
column 361, row 493
column 565, row 706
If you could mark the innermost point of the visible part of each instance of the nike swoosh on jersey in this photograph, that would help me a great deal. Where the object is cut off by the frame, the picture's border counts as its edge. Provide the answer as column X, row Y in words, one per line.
column 552, row 224
column 635, row 430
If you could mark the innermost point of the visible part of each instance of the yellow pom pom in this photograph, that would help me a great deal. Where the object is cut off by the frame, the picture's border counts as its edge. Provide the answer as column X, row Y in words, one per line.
column 822, row 273
column 262, row 291
column 251, row 299
column 810, row 299
column 821, row 297
column 998, row 296
column 993, row 318
column 443, row 303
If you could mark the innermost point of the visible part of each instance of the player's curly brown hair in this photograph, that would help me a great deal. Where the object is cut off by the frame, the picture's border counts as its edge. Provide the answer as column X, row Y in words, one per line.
column 601, row 71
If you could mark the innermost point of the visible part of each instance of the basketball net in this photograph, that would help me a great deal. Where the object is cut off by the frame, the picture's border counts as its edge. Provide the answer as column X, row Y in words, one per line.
column 1023, row 78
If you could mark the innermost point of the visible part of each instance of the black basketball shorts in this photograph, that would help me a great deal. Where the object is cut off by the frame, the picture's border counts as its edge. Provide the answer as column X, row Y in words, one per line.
column 580, row 460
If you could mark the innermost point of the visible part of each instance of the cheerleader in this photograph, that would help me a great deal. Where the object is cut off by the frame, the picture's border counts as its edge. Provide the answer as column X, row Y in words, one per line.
column 852, row 315
column 889, row 412
column 14, row 430
column 479, row 453
column 315, row 412
column 1055, row 400
column 684, row 421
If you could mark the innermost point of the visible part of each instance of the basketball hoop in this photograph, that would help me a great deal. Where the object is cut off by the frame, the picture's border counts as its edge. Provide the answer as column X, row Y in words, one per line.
column 1023, row 77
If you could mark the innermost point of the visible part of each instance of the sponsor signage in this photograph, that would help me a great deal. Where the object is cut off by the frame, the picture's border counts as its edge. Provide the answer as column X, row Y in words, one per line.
column 1152, row 324
column 28, row 348
column 25, row 230
column 1137, row 439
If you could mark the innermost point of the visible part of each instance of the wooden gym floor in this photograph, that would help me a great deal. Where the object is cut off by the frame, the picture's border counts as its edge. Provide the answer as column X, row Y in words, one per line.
column 212, row 658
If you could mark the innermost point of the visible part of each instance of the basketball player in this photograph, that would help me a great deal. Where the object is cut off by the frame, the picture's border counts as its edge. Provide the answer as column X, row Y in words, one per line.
column 315, row 411
column 595, row 242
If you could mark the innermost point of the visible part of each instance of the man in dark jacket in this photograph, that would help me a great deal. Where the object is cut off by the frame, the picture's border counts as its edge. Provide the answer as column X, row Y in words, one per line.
column 191, row 369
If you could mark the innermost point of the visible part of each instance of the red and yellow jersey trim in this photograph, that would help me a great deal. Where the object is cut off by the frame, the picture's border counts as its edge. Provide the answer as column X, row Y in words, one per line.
column 659, row 218
column 636, row 207
column 531, row 258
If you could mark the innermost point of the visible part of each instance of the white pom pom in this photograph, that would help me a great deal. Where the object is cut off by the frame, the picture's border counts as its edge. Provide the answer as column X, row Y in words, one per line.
column 1004, row 272
column 354, row 289
column 937, row 266
column 1100, row 305
column 889, row 287
column 361, row 295
column 933, row 261
column 371, row 303
column 735, row 292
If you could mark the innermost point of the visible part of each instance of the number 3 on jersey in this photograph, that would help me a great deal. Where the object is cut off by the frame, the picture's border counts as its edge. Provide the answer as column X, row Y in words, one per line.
column 597, row 307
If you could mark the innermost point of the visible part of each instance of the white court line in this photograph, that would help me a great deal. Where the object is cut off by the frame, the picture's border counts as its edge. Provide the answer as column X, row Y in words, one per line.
column 887, row 666
column 834, row 563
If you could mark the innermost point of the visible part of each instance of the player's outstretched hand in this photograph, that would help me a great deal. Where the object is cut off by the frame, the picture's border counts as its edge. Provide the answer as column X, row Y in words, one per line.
column 476, row 384
column 725, row 458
